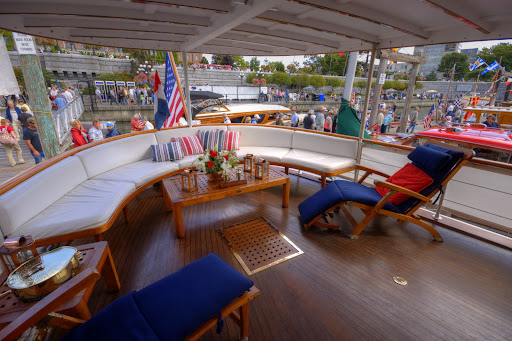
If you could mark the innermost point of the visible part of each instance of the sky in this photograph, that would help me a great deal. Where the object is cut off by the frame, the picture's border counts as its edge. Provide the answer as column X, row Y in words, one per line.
column 409, row 50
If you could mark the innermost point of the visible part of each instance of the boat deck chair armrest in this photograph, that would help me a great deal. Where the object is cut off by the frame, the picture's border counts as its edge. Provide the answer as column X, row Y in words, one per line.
column 50, row 303
column 401, row 189
column 369, row 171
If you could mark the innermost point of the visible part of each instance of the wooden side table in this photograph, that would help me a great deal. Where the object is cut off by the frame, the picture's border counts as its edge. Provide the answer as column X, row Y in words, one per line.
column 95, row 255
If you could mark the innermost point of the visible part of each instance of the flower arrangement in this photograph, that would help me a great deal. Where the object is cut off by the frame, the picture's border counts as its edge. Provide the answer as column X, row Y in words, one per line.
column 212, row 161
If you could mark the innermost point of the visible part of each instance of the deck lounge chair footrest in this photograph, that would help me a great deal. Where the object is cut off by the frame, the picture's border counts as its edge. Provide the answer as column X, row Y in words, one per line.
column 171, row 308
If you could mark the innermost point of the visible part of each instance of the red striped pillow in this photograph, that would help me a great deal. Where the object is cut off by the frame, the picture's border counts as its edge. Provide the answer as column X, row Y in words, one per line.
column 190, row 145
column 231, row 140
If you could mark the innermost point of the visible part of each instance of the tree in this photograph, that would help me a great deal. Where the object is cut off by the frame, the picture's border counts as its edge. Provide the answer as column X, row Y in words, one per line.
column 46, row 42
column 461, row 67
column 221, row 59
column 317, row 81
column 254, row 64
column 419, row 85
column 432, row 76
column 21, row 81
column 115, row 76
column 313, row 64
column 334, row 82
column 300, row 80
column 293, row 67
column 359, row 85
column 334, row 64
column 278, row 66
column 489, row 55
column 280, row 78
column 204, row 60
column 240, row 62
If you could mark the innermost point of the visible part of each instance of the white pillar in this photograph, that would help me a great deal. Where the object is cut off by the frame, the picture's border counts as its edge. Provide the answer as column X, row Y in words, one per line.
column 187, row 87
column 349, row 77
column 365, row 108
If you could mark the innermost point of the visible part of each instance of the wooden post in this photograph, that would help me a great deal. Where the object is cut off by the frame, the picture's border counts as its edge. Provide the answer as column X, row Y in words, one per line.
column 495, row 85
column 40, row 104
column 377, row 90
column 410, row 95
column 449, row 87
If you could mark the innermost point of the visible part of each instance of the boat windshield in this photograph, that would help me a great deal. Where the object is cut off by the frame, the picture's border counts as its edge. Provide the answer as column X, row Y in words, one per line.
column 210, row 105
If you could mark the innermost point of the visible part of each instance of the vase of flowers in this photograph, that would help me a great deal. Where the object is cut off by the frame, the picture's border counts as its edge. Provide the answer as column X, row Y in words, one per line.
column 215, row 163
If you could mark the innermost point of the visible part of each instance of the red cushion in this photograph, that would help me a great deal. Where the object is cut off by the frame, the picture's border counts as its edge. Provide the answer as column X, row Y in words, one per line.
column 410, row 177
column 190, row 145
column 231, row 140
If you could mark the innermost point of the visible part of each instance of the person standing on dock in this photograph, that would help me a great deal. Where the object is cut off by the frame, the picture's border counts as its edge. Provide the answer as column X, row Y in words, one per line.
column 31, row 138
column 320, row 119
column 413, row 116
column 295, row 117
column 5, row 128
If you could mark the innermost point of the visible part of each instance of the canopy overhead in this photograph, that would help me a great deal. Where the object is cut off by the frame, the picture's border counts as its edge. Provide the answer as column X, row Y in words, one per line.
column 259, row 27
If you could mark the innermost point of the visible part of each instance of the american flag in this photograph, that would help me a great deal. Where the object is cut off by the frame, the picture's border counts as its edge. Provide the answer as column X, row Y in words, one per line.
column 430, row 116
column 169, row 103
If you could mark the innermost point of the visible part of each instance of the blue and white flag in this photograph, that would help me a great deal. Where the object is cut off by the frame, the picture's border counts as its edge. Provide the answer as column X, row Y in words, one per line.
column 491, row 67
column 169, row 103
column 479, row 62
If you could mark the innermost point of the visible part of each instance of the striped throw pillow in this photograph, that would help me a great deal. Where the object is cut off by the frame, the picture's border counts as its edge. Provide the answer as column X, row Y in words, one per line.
column 166, row 152
column 190, row 145
column 231, row 140
column 211, row 138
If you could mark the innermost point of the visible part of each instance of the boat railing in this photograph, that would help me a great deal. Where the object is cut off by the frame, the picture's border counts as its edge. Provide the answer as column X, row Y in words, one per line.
column 62, row 117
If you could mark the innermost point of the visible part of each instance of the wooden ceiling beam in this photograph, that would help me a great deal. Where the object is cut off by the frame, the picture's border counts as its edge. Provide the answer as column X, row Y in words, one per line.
column 462, row 13
column 358, row 12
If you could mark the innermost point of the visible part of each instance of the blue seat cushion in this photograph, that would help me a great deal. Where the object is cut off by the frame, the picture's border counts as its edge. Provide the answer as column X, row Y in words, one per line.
column 438, row 174
column 120, row 320
column 171, row 308
column 178, row 304
column 428, row 159
column 336, row 192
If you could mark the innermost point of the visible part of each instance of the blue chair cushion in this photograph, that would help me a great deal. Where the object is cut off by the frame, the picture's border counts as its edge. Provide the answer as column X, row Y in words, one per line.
column 437, row 174
column 178, row 304
column 336, row 192
column 120, row 320
column 428, row 159
column 171, row 308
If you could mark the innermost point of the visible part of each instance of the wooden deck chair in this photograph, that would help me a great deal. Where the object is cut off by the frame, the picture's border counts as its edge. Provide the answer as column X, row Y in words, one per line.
column 181, row 306
column 437, row 160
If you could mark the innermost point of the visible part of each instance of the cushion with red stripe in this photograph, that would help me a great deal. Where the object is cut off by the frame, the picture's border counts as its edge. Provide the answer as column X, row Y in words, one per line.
column 190, row 145
column 231, row 140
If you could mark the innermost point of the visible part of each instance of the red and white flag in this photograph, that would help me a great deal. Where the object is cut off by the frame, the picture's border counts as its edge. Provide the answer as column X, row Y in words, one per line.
column 430, row 116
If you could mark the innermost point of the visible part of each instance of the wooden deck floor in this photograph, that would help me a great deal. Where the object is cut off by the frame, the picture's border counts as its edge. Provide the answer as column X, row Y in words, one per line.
column 339, row 288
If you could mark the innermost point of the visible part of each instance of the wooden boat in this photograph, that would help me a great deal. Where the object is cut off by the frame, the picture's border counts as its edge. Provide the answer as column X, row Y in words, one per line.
column 212, row 111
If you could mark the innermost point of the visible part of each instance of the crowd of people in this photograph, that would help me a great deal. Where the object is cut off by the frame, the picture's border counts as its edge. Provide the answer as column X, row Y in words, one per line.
column 61, row 96
column 125, row 96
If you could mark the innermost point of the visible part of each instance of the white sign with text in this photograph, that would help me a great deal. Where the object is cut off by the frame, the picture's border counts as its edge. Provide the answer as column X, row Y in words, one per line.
column 382, row 78
column 24, row 43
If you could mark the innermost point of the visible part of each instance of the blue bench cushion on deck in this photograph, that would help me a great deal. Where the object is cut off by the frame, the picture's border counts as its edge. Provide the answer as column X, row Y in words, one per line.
column 171, row 308
column 336, row 192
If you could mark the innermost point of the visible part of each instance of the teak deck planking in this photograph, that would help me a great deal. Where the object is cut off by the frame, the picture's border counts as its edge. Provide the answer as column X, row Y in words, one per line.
column 339, row 288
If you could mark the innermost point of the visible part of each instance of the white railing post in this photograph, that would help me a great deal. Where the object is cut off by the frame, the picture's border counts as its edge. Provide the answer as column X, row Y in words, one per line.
column 65, row 115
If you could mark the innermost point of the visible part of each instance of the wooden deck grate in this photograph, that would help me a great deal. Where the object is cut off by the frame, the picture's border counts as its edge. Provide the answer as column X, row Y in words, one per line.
column 257, row 245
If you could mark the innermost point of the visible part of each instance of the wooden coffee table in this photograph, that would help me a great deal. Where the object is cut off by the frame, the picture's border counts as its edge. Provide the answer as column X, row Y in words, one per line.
column 175, row 198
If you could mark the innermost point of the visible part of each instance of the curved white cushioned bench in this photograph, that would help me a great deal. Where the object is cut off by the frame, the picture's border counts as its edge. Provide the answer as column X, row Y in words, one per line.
column 81, row 192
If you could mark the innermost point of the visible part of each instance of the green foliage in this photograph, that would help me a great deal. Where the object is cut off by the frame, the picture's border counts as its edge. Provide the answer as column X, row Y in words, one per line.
column 447, row 62
column 254, row 64
column 116, row 76
column 313, row 64
column 334, row 82
column 300, row 80
column 240, row 62
column 10, row 41
column 419, row 85
column 204, row 60
column 280, row 78
column 361, row 85
column 279, row 66
column 21, row 81
column 432, row 76
column 494, row 53
column 221, row 59
column 317, row 81
column 334, row 64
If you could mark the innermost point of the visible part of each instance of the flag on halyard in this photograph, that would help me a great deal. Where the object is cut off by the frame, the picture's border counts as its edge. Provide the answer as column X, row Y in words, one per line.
column 430, row 116
column 479, row 62
column 491, row 67
column 169, row 103
column 341, row 54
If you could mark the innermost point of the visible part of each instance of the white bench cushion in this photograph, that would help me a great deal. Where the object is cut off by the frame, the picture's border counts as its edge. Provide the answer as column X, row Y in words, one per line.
column 318, row 161
column 263, row 136
column 89, row 205
column 271, row 154
column 114, row 154
column 25, row 201
column 164, row 136
column 325, row 144
column 186, row 162
column 139, row 172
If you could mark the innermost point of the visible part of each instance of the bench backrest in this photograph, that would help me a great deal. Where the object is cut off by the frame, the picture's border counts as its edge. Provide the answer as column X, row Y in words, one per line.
column 322, row 143
column 263, row 136
column 32, row 196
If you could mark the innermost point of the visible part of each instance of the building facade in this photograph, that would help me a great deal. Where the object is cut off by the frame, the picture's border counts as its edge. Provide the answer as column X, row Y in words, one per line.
column 434, row 54
column 471, row 53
